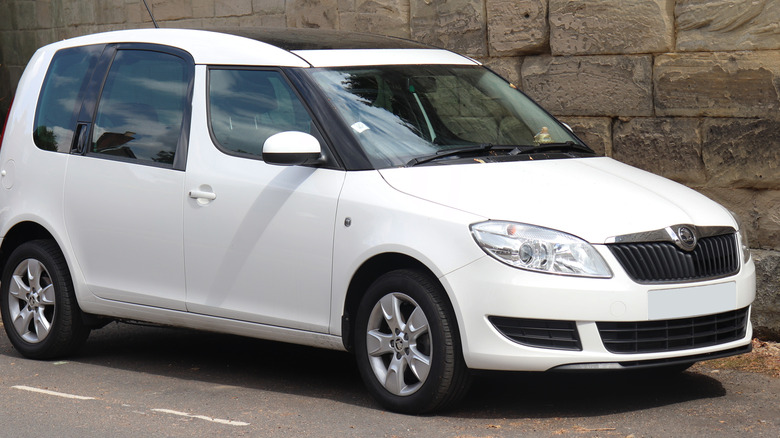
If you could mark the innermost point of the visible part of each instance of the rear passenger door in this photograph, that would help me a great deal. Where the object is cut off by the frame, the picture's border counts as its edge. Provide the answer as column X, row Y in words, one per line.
column 125, row 177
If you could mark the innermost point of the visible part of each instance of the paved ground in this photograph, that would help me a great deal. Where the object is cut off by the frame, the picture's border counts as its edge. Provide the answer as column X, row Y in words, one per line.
column 132, row 381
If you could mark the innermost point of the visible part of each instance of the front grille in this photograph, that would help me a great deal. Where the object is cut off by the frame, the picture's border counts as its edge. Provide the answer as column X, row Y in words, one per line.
column 542, row 333
column 657, row 262
column 673, row 334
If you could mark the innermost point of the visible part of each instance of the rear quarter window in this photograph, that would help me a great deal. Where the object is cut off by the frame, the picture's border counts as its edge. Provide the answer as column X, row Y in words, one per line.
column 61, row 94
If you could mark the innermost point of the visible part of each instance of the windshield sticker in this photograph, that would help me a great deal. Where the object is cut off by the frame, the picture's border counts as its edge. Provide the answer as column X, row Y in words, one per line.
column 360, row 127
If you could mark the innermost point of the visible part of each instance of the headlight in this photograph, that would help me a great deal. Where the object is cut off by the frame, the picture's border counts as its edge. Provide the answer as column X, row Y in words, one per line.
column 539, row 249
column 743, row 239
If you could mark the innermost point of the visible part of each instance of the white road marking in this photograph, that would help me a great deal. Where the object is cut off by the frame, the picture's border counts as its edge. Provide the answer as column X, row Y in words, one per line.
column 202, row 417
column 47, row 392
column 164, row 411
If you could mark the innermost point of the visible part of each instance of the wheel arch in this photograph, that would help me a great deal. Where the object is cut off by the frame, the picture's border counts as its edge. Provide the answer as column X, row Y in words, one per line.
column 368, row 272
column 20, row 233
column 28, row 230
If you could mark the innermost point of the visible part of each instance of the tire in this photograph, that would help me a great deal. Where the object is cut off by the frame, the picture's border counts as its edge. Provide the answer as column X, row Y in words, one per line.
column 407, row 344
column 39, row 310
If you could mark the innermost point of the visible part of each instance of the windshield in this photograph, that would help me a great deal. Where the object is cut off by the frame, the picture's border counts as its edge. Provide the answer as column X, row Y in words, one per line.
column 412, row 112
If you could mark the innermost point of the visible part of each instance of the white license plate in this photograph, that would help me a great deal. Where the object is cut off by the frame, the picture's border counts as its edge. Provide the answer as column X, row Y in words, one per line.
column 691, row 301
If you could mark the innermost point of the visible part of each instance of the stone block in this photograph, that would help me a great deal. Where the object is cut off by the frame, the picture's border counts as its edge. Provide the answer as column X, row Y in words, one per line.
column 768, row 219
column 7, row 47
column 276, row 20
column 221, row 22
column 203, row 8
column 71, row 31
column 457, row 25
column 58, row 14
column 110, row 11
column 312, row 14
column 19, row 46
column 169, row 10
column 256, row 21
column 232, row 8
column 517, row 26
column 6, row 92
column 740, row 84
column 347, row 5
column 7, row 18
column 588, row 27
column 75, row 13
column 136, row 13
column 758, row 210
column 14, row 74
column 195, row 23
column 399, row 9
column 766, row 308
column 664, row 146
column 596, row 132
column 721, row 25
column 384, row 17
column 374, row 23
column 507, row 67
column 743, row 153
column 44, row 37
column 268, row 7
column 44, row 19
column 600, row 85
column 25, row 15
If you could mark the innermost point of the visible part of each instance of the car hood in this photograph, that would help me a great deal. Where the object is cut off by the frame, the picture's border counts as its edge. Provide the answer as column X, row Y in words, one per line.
column 592, row 198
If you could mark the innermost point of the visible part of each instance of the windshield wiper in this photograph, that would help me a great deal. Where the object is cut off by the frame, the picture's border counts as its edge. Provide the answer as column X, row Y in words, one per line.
column 475, row 149
column 568, row 146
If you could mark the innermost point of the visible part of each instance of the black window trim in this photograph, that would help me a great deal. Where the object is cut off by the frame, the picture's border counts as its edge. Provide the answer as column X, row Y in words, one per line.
column 332, row 159
column 348, row 150
column 92, row 99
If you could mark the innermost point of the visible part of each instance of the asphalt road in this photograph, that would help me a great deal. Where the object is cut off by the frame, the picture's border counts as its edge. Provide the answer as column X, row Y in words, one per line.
column 134, row 381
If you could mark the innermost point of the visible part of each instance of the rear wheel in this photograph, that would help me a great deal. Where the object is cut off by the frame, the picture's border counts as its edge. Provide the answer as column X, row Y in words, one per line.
column 39, row 309
column 407, row 345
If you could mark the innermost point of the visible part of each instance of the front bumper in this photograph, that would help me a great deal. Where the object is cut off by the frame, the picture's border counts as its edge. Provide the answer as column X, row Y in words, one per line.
column 487, row 288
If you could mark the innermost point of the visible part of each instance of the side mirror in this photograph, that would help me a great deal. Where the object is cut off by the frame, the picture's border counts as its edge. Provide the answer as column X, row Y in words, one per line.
column 290, row 148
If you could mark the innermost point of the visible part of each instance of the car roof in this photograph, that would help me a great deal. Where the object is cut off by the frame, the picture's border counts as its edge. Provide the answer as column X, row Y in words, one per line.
column 279, row 47
column 322, row 39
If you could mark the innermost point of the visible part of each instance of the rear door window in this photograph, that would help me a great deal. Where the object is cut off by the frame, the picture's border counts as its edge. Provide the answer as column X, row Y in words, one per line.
column 142, row 107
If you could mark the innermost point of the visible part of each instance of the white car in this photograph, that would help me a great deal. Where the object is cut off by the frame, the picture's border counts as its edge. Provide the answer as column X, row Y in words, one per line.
column 349, row 192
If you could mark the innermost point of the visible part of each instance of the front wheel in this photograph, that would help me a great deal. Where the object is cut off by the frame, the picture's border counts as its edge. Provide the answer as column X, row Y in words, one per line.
column 39, row 309
column 407, row 344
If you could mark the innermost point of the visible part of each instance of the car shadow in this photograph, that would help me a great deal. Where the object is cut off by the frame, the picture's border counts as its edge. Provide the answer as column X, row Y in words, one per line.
column 327, row 374
column 586, row 394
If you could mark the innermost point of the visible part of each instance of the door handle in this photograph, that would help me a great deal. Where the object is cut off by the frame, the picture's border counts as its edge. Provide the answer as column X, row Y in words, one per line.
column 202, row 196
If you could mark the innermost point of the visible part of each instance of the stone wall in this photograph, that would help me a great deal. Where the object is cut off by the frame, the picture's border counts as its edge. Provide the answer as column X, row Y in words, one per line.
column 689, row 89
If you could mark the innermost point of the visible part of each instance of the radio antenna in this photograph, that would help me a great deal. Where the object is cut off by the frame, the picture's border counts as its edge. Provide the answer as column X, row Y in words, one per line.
column 150, row 14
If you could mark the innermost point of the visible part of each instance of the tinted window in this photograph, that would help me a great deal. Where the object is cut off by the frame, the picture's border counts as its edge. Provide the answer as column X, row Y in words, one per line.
column 142, row 106
column 248, row 106
column 61, row 95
